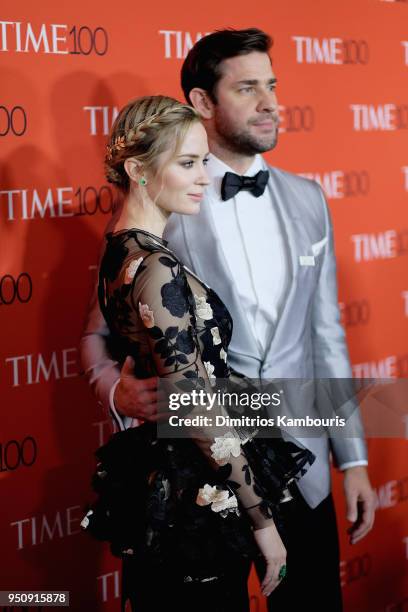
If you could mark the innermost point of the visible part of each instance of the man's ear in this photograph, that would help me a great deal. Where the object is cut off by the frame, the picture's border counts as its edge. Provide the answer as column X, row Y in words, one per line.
column 133, row 168
column 202, row 102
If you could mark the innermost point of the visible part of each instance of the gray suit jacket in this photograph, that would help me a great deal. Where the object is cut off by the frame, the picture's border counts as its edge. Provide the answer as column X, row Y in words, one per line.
column 308, row 341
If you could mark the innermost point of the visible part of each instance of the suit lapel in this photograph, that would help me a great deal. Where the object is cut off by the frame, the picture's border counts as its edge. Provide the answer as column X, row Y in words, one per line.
column 209, row 262
column 293, row 237
column 201, row 237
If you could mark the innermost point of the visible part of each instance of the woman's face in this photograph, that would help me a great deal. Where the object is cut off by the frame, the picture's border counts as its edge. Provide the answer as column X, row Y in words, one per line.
column 180, row 186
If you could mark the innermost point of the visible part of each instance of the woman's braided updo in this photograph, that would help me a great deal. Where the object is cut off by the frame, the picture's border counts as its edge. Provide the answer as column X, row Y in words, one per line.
column 145, row 128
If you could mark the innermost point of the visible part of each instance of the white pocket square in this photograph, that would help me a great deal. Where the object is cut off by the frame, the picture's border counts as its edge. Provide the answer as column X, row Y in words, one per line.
column 318, row 246
column 306, row 260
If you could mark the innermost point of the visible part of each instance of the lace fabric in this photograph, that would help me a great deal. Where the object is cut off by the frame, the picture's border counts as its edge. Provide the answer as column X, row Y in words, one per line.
column 177, row 328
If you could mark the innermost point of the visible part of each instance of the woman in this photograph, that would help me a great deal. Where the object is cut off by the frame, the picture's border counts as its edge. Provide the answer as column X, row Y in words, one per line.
column 186, row 515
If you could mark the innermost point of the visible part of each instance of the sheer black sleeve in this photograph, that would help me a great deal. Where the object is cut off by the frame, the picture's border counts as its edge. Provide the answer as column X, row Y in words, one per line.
column 163, row 300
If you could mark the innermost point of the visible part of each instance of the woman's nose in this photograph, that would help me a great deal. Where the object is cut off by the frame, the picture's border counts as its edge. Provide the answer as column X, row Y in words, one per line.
column 203, row 179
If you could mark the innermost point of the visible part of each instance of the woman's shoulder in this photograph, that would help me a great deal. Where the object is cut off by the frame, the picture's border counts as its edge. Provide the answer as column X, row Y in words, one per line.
column 154, row 275
column 133, row 250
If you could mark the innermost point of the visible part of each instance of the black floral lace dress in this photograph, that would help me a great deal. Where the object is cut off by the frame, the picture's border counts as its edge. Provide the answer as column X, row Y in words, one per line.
column 190, row 504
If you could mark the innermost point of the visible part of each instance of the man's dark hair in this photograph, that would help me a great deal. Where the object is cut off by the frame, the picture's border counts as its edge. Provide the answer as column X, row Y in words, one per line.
column 201, row 67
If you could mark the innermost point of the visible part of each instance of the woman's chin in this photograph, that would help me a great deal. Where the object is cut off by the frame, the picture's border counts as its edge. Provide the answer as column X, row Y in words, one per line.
column 192, row 208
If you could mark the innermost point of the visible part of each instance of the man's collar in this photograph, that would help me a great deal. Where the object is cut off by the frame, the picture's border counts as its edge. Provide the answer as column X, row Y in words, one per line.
column 216, row 169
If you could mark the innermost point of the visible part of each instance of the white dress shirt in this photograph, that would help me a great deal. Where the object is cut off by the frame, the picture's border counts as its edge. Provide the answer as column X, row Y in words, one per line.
column 253, row 244
column 249, row 231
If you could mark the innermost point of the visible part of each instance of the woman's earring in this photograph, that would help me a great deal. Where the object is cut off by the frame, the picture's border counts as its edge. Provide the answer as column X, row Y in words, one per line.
column 142, row 181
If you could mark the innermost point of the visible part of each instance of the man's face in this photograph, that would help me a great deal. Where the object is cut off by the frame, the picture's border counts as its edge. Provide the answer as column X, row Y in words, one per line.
column 246, row 112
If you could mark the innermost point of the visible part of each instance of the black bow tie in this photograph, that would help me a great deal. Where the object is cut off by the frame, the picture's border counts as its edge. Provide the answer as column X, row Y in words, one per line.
column 233, row 183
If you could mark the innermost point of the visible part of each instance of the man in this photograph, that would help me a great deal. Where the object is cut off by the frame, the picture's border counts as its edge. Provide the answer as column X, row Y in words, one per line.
column 263, row 241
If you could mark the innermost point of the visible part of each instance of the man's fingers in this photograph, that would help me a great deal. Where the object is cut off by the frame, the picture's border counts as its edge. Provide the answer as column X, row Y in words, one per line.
column 154, row 413
column 365, row 522
column 352, row 513
column 359, row 528
column 136, row 384
column 149, row 397
column 128, row 368
column 147, row 412
column 150, row 383
column 134, row 388
column 161, row 416
column 134, row 397
column 359, row 533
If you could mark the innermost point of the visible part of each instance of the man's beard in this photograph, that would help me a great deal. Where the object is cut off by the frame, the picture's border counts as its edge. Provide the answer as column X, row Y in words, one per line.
column 243, row 141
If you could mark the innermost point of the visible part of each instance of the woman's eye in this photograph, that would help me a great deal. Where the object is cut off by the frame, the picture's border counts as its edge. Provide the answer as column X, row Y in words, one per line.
column 206, row 160
column 188, row 164
column 247, row 89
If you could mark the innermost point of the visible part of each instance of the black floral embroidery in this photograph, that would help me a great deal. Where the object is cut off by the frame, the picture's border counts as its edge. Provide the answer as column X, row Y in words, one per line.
column 185, row 341
column 210, row 351
column 174, row 296
column 173, row 345
column 191, row 382
column 247, row 473
column 170, row 263
column 221, row 317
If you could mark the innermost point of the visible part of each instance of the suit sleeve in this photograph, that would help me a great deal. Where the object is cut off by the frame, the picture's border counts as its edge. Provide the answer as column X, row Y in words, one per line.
column 101, row 370
column 331, row 358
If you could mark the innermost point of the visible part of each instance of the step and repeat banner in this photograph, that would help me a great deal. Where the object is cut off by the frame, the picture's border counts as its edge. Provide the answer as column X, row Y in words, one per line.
column 66, row 69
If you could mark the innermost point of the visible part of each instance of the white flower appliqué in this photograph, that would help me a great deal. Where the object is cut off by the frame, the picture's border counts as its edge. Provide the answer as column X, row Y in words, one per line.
column 85, row 521
column 224, row 447
column 220, row 501
column 146, row 315
column 216, row 335
column 132, row 269
column 204, row 310
column 223, row 355
column 210, row 371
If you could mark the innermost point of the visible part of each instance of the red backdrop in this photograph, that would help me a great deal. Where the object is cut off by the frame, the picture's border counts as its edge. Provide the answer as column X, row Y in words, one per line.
column 65, row 70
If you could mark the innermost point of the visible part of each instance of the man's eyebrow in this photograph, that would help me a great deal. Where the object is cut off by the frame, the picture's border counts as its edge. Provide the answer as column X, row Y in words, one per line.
column 255, row 81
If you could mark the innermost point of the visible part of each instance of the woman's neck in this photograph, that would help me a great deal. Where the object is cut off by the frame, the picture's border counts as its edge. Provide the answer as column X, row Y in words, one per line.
column 137, row 214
